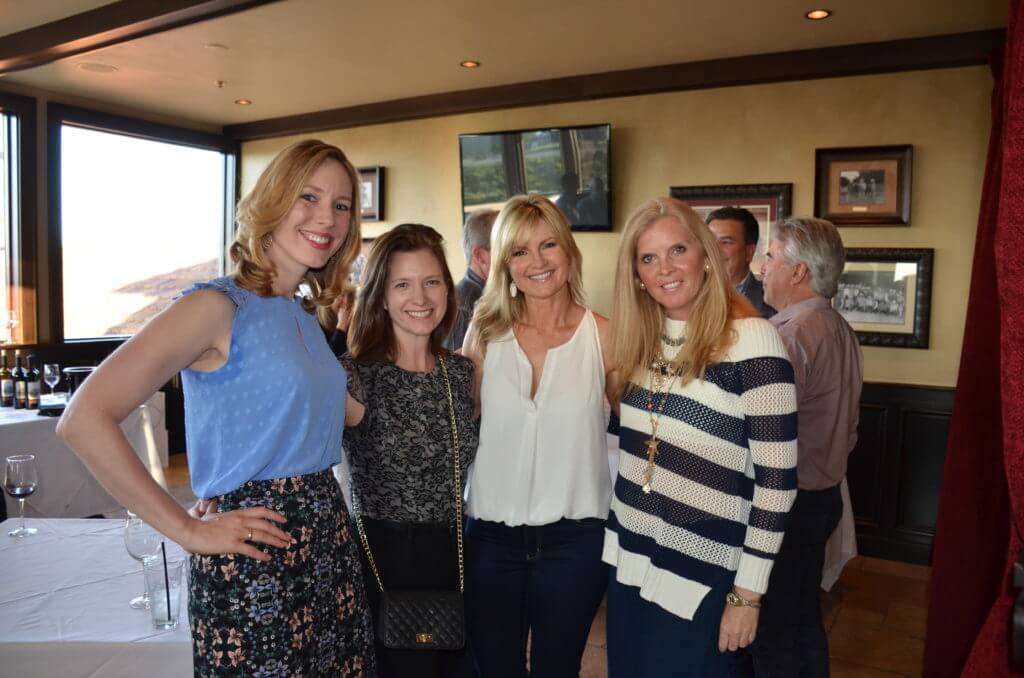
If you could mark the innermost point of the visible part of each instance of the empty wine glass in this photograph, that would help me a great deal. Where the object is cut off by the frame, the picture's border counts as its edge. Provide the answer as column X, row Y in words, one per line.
column 12, row 322
column 141, row 542
column 51, row 375
column 20, row 481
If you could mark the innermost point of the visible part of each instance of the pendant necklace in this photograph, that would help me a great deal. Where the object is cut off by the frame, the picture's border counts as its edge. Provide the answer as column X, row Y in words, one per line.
column 662, row 369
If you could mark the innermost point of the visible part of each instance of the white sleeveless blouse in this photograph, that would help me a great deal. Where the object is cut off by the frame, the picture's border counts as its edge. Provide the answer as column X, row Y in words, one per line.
column 545, row 458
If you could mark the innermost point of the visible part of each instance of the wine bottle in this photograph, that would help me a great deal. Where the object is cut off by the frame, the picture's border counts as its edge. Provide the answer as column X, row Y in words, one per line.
column 20, row 383
column 33, row 383
column 6, row 382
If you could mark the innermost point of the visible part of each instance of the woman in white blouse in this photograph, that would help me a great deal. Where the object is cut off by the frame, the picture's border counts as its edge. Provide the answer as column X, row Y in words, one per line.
column 539, row 490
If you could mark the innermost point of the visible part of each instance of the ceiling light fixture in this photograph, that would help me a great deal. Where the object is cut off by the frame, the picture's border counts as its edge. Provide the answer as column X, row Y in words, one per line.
column 243, row 102
column 95, row 67
column 818, row 14
column 469, row 63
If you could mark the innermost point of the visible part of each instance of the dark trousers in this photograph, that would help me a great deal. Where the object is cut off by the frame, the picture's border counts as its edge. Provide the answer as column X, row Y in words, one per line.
column 791, row 640
column 544, row 582
column 647, row 641
column 413, row 556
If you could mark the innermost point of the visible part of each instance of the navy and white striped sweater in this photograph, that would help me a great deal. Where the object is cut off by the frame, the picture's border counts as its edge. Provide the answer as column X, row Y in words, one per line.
column 725, row 476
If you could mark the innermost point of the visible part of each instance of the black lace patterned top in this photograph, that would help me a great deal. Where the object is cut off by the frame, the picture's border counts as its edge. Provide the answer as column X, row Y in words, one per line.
column 400, row 453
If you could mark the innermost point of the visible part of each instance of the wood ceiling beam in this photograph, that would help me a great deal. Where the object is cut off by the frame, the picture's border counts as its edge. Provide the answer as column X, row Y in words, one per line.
column 108, row 25
column 945, row 51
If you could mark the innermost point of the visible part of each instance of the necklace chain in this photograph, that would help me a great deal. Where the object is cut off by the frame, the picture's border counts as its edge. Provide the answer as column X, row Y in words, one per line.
column 661, row 370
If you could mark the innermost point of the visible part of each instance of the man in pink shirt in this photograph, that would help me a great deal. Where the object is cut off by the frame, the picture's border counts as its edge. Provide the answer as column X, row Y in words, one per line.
column 800, row 276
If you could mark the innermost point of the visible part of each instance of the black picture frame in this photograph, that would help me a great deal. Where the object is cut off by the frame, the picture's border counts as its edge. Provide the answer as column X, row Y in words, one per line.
column 769, row 203
column 886, row 295
column 864, row 185
column 372, row 193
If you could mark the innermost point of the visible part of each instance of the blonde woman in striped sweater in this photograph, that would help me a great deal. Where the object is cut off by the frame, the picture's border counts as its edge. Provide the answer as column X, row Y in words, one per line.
column 708, row 453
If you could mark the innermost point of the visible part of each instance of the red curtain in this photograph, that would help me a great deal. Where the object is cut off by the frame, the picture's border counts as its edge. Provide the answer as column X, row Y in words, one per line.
column 981, row 513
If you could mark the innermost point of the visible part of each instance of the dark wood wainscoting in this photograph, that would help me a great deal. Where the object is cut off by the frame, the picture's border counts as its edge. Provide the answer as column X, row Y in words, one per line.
column 895, row 471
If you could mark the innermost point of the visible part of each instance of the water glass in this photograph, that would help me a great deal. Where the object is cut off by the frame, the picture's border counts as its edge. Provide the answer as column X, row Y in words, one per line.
column 20, row 480
column 164, row 587
column 142, row 542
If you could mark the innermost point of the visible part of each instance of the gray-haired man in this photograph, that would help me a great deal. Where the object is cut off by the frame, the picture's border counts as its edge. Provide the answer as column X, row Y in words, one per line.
column 476, row 244
column 800, row 276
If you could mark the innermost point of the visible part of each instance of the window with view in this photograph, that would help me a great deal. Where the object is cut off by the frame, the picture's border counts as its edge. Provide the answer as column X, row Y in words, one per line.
column 141, row 220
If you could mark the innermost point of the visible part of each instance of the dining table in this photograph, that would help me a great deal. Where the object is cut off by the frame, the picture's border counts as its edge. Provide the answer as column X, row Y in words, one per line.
column 66, row 489
column 64, row 610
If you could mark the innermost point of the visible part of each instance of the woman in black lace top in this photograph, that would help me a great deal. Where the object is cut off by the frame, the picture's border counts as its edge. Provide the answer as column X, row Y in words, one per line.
column 399, row 444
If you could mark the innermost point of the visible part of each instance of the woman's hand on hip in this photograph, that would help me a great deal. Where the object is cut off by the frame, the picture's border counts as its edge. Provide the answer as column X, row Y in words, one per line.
column 236, row 532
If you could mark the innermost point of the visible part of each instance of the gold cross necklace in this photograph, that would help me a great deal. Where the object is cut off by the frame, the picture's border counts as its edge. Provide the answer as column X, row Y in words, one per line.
column 661, row 369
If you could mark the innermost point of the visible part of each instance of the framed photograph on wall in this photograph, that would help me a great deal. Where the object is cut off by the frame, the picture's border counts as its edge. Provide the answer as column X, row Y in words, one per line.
column 868, row 185
column 886, row 296
column 371, row 186
column 767, row 202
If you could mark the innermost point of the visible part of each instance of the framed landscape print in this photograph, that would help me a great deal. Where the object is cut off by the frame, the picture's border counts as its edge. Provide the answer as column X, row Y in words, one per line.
column 767, row 202
column 371, row 197
column 868, row 185
column 885, row 295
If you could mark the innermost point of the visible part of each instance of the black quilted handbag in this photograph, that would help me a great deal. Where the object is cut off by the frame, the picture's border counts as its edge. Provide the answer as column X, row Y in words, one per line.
column 423, row 619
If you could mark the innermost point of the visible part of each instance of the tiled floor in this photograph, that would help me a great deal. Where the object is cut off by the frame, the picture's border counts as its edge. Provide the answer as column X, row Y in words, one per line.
column 875, row 615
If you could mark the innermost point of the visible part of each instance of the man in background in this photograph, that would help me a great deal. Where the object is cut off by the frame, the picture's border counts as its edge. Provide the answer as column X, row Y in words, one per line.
column 801, row 275
column 476, row 245
column 737, row 233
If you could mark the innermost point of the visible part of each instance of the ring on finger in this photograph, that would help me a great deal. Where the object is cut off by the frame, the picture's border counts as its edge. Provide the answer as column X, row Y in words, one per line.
column 248, row 537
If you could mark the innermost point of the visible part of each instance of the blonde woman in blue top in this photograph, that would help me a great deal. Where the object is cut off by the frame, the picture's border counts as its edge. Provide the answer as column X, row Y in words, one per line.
column 277, row 588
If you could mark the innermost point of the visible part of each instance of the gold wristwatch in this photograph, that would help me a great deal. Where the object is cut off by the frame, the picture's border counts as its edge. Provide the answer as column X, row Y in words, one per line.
column 736, row 600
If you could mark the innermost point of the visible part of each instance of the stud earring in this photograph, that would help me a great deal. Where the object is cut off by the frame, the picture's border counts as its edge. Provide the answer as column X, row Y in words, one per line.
column 707, row 266
column 513, row 290
column 266, row 241
column 642, row 285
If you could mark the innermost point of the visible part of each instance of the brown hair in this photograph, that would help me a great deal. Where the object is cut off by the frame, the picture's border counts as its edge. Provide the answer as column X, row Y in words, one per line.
column 268, row 203
column 637, row 319
column 371, row 337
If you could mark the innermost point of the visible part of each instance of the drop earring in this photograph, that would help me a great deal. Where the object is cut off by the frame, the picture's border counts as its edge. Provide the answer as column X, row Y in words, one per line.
column 513, row 290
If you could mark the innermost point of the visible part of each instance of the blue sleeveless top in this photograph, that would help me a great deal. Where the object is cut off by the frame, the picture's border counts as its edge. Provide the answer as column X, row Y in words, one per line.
column 275, row 409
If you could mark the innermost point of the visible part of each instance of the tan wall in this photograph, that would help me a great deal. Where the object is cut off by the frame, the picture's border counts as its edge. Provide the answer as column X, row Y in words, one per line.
column 736, row 135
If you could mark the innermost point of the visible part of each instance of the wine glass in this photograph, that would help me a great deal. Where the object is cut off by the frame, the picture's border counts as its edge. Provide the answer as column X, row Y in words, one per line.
column 51, row 375
column 11, row 321
column 20, row 481
column 141, row 542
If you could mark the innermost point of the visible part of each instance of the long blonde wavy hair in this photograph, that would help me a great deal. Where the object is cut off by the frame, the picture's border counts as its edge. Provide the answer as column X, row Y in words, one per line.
column 637, row 320
column 268, row 203
column 498, row 311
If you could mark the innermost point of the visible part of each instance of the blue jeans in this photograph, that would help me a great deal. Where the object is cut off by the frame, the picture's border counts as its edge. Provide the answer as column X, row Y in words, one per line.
column 547, row 581
column 647, row 641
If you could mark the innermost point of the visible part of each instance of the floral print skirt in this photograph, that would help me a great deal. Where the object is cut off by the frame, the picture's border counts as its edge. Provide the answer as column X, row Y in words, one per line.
column 304, row 612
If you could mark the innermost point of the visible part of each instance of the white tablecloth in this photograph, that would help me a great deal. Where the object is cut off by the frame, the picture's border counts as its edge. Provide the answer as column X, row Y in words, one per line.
column 64, row 610
column 66, row 489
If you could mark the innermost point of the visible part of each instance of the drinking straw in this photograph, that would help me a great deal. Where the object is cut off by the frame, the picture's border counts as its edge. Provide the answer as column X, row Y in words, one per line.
column 167, row 581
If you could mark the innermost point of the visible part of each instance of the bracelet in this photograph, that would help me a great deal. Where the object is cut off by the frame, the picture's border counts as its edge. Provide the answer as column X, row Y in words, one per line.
column 736, row 600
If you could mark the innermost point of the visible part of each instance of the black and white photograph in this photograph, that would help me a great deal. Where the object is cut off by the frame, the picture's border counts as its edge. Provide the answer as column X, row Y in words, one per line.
column 371, row 193
column 885, row 295
column 864, row 187
column 873, row 297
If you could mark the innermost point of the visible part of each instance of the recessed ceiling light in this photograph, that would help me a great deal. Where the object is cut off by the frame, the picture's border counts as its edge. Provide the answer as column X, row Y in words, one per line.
column 469, row 63
column 94, row 67
column 818, row 14
column 243, row 102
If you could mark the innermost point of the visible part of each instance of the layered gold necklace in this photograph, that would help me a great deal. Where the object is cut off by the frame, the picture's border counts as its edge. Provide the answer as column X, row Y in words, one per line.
column 663, row 376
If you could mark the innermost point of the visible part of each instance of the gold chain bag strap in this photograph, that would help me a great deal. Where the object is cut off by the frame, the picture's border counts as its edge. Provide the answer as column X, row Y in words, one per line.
column 423, row 619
